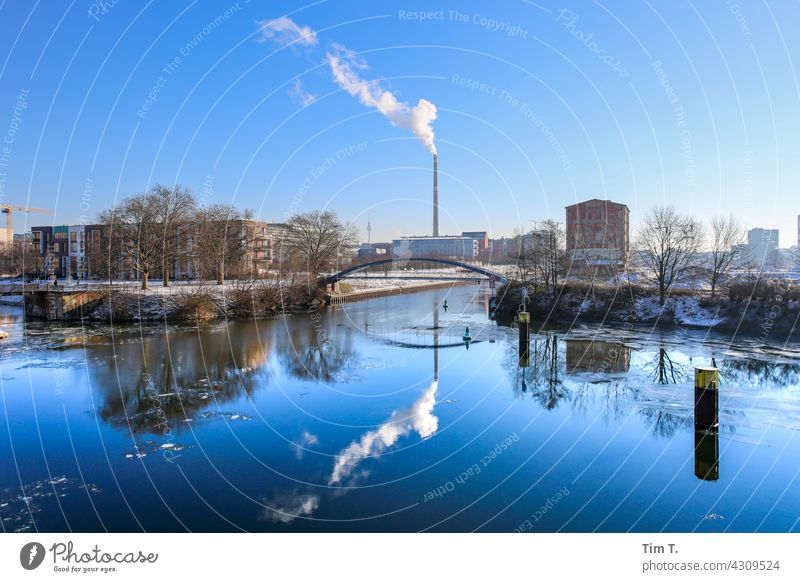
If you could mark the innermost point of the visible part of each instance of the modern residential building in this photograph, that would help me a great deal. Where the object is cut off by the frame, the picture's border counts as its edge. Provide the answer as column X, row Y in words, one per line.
column 67, row 251
column 50, row 242
column 762, row 246
column 450, row 247
column 598, row 235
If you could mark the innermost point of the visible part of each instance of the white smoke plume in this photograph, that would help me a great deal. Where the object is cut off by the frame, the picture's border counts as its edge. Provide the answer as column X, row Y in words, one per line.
column 343, row 63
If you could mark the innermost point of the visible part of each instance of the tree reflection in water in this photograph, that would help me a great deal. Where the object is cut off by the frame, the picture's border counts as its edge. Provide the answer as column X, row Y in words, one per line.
column 540, row 379
column 663, row 370
column 178, row 373
column 313, row 352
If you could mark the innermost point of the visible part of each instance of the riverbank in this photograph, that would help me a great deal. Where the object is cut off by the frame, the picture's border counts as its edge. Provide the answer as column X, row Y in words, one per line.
column 404, row 286
column 236, row 300
column 768, row 307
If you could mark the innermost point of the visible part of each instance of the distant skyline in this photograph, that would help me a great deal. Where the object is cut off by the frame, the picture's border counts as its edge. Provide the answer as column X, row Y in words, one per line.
column 290, row 107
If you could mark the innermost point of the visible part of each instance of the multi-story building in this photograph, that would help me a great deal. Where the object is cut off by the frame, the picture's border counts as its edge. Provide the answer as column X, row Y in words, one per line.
column 51, row 243
column 373, row 251
column 598, row 235
column 481, row 236
column 762, row 246
column 70, row 250
column 499, row 249
column 450, row 247
column 66, row 249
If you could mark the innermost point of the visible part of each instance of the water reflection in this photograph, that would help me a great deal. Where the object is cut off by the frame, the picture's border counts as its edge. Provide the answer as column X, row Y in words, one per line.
column 538, row 374
column 312, row 462
column 706, row 454
column 171, row 377
column 312, row 352
column 664, row 370
column 597, row 356
column 417, row 418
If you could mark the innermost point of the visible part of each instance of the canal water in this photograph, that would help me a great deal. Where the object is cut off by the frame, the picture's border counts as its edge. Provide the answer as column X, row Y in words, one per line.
column 376, row 416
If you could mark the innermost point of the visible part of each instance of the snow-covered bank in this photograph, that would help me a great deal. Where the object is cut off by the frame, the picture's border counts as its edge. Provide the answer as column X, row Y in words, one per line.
column 770, row 309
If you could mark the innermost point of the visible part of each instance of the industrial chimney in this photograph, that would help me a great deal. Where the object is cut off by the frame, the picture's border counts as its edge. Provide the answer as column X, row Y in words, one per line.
column 435, row 195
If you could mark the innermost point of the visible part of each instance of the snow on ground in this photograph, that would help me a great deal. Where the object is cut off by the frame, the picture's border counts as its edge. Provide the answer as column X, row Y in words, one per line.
column 683, row 310
column 155, row 287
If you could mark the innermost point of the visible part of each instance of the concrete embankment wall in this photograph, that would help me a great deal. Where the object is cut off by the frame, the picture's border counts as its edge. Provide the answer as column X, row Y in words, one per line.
column 60, row 305
column 341, row 298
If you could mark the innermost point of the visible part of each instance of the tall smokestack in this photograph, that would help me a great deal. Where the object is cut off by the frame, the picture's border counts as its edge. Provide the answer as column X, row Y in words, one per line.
column 435, row 195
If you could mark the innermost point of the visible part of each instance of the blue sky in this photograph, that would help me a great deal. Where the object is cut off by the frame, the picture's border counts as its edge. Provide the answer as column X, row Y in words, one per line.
column 538, row 105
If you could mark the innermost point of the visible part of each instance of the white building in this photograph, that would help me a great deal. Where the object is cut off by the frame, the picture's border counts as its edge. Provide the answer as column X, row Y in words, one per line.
column 77, row 250
column 449, row 247
column 762, row 244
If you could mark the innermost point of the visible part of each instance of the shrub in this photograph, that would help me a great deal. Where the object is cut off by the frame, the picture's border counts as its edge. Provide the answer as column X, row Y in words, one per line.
column 120, row 306
column 194, row 304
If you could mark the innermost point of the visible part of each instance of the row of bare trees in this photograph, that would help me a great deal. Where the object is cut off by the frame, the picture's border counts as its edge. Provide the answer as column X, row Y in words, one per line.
column 667, row 247
column 669, row 243
column 151, row 232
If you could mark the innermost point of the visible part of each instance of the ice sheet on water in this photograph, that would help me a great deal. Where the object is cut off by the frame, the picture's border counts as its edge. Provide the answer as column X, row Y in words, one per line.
column 19, row 505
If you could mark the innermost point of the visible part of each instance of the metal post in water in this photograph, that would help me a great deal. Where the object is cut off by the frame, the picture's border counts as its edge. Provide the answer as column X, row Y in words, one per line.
column 524, row 322
column 706, row 398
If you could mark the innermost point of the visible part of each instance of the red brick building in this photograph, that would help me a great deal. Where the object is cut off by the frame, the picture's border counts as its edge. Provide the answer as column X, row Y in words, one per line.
column 598, row 236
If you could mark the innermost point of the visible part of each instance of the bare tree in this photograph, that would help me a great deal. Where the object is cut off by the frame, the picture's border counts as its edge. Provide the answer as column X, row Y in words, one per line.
column 727, row 234
column 539, row 254
column 174, row 208
column 667, row 243
column 20, row 257
column 524, row 256
column 134, row 229
column 103, row 255
column 222, row 237
column 319, row 237
column 552, row 242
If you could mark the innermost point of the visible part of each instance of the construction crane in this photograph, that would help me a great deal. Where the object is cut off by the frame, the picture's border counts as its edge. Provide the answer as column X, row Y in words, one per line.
column 7, row 209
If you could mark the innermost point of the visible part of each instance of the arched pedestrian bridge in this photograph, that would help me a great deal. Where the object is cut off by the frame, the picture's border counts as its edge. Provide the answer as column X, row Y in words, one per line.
column 449, row 262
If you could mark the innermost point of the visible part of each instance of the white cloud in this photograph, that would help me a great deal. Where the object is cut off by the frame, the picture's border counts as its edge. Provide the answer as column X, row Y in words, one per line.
column 287, row 507
column 284, row 31
column 304, row 441
column 418, row 119
column 303, row 97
